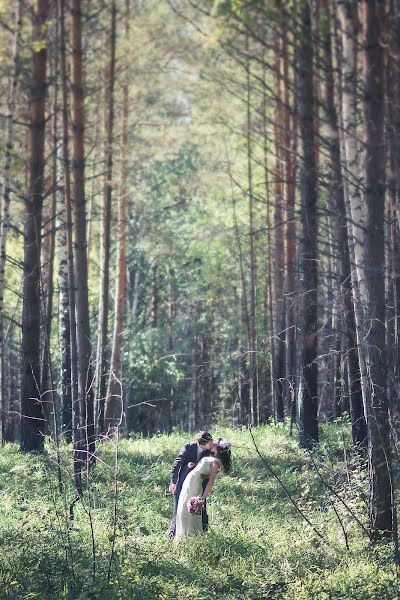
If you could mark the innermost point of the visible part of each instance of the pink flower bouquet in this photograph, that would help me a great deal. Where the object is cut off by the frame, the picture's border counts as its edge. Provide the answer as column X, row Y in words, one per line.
column 195, row 505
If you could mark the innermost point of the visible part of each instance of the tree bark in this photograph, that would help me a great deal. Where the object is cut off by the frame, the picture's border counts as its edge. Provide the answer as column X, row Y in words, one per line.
column 309, row 259
column 391, row 42
column 48, row 256
column 359, row 428
column 115, row 400
column 269, row 254
column 279, row 192
column 154, row 300
column 103, row 350
column 381, row 485
column 32, row 421
column 84, row 347
column 252, row 307
column 290, row 163
column 47, row 278
column 352, row 177
column 69, row 358
column 5, row 204
column 64, row 319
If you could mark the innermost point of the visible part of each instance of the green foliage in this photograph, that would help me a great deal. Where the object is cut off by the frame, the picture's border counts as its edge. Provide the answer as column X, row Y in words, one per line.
column 155, row 377
column 187, row 235
column 238, row 7
column 258, row 546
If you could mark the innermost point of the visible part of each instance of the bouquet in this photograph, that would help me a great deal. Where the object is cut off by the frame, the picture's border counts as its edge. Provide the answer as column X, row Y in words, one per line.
column 195, row 505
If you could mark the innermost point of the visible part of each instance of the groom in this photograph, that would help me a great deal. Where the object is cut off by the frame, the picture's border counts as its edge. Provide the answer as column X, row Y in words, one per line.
column 187, row 458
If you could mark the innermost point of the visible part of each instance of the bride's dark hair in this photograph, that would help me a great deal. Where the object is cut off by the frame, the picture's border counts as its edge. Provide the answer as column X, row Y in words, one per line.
column 225, row 456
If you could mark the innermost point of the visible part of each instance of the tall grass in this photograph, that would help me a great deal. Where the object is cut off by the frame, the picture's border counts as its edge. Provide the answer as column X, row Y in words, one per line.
column 258, row 545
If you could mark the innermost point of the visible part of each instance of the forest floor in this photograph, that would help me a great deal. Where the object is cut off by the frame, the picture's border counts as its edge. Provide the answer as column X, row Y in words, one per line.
column 258, row 547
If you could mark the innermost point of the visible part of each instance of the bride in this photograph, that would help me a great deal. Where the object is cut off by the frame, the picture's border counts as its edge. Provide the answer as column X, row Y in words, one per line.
column 188, row 524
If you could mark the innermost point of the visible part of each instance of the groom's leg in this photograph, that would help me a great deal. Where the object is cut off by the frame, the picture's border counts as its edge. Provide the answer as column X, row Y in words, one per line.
column 204, row 518
column 204, row 515
column 173, row 521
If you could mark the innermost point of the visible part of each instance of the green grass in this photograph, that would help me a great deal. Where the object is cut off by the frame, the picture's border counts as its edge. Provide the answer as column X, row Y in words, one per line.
column 258, row 546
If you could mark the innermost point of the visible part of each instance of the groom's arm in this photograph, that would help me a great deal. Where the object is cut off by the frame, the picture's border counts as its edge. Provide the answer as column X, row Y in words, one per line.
column 180, row 460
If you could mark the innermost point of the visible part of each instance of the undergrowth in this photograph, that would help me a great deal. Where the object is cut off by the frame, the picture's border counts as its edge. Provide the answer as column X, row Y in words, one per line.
column 259, row 545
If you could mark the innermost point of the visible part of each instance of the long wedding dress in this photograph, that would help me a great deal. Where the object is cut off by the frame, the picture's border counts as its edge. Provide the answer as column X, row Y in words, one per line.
column 188, row 524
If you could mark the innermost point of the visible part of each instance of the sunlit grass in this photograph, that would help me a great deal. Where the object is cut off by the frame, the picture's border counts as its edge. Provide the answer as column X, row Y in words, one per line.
column 258, row 545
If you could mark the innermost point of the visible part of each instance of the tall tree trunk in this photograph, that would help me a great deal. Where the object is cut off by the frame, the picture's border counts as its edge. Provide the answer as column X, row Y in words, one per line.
column 48, row 255
column 171, row 338
column 352, row 177
column 244, row 388
column 171, row 308
column 115, row 400
column 154, row 301
column 103, row 352
column 359, row 426
column 392, row 44
column 308, row 400
column 290, row 164
column 5, row 200
column 70, row 401
column 84, row 347
column 135, row 277
column 32, row 422
column 394, row 50
column 279, row 189
column 381, row 488
column 47, row 277
column 253, row 314
column 269, row 250
column 64, row 336
column 92, row 205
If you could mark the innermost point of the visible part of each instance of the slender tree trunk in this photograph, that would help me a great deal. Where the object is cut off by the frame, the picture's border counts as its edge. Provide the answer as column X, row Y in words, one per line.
column 253, row 315
column 171, row 340
column 279, row 189
column 392, row 44
column 269, row 249
column 47, row 278
column 290, row 164
column 71, row 418
column 381, row 489
column 352, row 178
column 64, row 319
column 32, row 421
column 192, row 397
column 134, row 276
column 103, row 351
column 171, row 309
column 394, row 48
column 245, row 379
column 84, row 347
column 114, row 392
column 92, row 206
column 154, row 298
column 292, row 260
column 244, row 389
column 5, row 200
column 359, row 428
column 309, row 400
column 48, row 255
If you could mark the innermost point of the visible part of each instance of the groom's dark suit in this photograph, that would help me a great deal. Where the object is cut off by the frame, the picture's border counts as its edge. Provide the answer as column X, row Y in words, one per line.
column 179, row 472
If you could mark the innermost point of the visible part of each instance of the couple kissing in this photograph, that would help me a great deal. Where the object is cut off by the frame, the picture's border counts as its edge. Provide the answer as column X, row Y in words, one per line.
column 193, row 476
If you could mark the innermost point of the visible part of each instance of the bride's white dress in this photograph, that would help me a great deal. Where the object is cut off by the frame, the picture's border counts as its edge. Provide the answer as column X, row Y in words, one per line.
column 186, row 523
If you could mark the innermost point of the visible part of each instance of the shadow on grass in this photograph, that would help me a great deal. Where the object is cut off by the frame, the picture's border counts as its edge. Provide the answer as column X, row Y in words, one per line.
column 200, row 575
column 211, row 569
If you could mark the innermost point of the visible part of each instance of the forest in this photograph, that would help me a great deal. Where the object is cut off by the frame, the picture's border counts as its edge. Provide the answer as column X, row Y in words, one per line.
column 200, row 230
